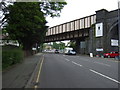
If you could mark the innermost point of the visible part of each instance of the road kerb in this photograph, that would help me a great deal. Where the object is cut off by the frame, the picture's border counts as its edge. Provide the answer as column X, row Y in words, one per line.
column 39, row 72
column 30, row 83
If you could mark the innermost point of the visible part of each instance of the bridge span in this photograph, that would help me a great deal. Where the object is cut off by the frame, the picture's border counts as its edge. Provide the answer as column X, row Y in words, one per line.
column 70, row 30
column 97, row 33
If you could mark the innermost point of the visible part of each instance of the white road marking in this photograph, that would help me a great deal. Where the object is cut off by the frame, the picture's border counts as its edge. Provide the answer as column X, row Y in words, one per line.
column 67, row 59
column 87, row 60
column 102, row 64
column 79, row 65
column 104, row 76
column 76, row 63
column 98, row 63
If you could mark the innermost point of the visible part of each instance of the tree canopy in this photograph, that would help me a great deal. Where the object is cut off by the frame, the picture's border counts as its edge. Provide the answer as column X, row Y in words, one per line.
column 72, row 44
column 60, row 45
column 26, row 21
column 26, row 24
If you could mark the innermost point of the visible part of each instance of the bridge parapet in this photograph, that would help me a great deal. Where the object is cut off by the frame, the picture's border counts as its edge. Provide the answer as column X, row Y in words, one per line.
column 77, row 24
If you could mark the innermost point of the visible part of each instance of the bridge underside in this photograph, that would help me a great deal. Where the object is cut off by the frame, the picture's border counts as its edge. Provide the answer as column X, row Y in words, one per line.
column 73, row 35
column 78, row 35
column 86, row 42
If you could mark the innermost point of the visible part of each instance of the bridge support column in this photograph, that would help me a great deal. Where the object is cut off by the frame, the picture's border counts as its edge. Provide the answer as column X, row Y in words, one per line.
column 77, row 48
column 92, row 42
column 101, row 42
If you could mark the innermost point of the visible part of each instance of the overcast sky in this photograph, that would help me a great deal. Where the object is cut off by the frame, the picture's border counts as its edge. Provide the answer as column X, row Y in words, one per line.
column 80, row 8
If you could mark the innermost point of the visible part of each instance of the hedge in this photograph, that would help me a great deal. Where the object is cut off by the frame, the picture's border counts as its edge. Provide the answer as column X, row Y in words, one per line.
column 11, row 55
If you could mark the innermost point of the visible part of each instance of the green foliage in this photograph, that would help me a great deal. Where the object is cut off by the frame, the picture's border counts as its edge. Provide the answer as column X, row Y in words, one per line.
column 52, row 8
column 11, row 56
column 60, row 46
column 72, row 44
column 55, row 45
column 26, row 21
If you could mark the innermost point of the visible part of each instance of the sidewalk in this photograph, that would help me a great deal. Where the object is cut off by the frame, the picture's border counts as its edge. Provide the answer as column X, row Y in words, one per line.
column 19, row 75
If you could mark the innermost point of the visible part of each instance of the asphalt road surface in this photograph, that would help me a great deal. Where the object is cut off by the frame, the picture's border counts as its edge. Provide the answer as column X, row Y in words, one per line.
column 65, row 71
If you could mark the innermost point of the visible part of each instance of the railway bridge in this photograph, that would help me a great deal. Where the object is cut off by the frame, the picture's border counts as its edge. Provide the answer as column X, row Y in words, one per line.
column 97, row 33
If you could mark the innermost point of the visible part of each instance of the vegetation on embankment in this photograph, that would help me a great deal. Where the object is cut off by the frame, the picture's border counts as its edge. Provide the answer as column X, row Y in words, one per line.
column 11, row 55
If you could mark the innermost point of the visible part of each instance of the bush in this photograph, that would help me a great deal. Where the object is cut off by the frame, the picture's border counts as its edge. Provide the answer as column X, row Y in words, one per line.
column 11, row 55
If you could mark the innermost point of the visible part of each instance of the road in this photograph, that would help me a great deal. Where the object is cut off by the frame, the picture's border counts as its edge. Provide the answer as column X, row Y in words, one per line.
column 64, row 71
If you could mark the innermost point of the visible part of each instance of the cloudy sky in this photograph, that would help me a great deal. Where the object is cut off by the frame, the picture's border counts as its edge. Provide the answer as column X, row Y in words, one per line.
column 80, row 8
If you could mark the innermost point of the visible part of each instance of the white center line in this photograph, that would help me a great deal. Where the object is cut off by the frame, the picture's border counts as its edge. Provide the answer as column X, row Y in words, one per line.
column 67, row 59
column 104, row 76
column 76, row 63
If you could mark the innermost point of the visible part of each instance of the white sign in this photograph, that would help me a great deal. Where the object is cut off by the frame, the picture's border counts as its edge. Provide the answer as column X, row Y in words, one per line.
column 114, row 42
column 99, row 30
column 34, row 49
column 91, row 54
column 101, row 49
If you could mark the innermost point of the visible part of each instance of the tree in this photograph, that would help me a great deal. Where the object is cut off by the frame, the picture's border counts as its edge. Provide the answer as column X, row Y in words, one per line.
column 60, row 46
column 55, row 45
column 26, row 21
column 72, row 44
column 26, row 24
column 52, row 8
column 3, row 11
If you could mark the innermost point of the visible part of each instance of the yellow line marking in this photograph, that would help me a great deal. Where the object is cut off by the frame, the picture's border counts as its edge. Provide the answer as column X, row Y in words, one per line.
column 38, row 75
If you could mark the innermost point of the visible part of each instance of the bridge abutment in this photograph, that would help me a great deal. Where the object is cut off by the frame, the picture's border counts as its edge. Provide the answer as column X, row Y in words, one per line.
column 101, row 17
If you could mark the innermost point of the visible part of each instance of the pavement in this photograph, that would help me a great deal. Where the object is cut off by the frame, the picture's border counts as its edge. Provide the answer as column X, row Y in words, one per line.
column 19, row 75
